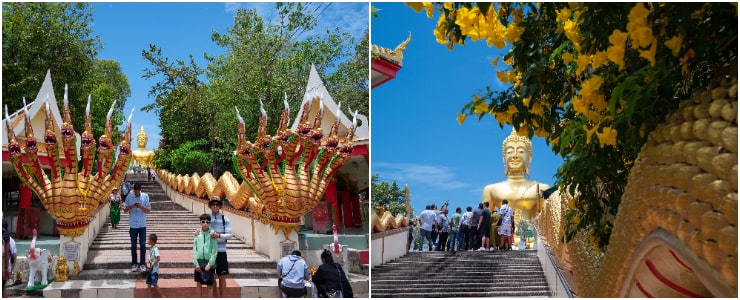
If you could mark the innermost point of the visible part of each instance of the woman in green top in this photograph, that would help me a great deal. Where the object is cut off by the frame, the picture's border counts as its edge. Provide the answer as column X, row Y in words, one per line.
column 115, row 208
column 205, row 249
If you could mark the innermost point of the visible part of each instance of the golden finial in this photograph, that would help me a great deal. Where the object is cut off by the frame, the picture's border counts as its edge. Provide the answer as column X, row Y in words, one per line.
column 395, row 55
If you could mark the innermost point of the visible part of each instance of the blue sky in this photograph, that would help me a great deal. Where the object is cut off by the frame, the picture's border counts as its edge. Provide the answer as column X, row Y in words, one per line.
column 415, row 136
column 182, row 29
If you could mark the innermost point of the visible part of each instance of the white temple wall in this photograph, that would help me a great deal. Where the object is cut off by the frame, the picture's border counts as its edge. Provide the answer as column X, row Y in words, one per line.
column 388, row 245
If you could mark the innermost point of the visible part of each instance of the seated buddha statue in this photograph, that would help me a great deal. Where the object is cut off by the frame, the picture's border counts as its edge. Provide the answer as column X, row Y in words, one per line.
column 522, row 193
column 141, row 156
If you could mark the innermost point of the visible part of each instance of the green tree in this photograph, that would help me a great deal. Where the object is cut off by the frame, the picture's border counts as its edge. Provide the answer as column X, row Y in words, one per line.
column 107, row 84
column 388, row 195
column 179, row 98
column 189, row 157
column 40, row 36
column 593, row 79
column 266, row 60
column 349, row 84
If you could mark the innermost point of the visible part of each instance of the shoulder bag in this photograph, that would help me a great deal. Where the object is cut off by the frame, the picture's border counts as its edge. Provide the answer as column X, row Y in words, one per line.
column 335, row 293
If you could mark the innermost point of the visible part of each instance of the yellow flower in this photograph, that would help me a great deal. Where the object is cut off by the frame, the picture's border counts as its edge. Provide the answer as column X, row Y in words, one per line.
column 503, row 76
column 583, row 61
column 481, row 108
column 643, row 36
column 674, row 44
column 523, row 130
column 440, row 31
column 495, row 32
column 607, row 136
column 416, row 6
column 429, row 7
column 509, row 61
column 599, row 59
column 494, row 62
column 649, row 54
column 589, row 133
column 461, row 118
column 448, row 5
column 567, row 57
column 615, row 52
column 555, row 141
column 571, row 31
column 563, row 15
column 592, row 84
column 541, row 132
column 638, row 15
column 513, row 33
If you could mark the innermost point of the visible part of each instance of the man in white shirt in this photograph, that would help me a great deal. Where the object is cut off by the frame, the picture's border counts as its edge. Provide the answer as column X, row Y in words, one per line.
column 427, row 219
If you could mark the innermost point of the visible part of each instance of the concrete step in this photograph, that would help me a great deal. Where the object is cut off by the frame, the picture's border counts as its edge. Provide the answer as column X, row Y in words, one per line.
column 186, row 288
column 182, row 272
column 107, row 271
column 463, row 274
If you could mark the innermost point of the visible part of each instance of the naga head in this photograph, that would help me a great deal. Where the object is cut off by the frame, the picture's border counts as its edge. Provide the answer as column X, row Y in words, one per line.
column 87, row 139
column 105, row 143
column 50, row 138
column 13, row 147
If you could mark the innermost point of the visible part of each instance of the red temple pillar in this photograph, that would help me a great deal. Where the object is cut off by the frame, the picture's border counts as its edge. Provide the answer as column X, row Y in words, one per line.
column 27, row 217
column 24, row 199
column 331, row 197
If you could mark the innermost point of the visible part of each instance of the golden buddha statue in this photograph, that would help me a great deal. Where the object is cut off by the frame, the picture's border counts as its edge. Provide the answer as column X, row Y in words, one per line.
column 523, row 194
column 142, row 157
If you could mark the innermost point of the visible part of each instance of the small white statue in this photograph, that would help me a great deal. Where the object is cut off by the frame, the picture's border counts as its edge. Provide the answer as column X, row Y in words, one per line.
column 38, row 261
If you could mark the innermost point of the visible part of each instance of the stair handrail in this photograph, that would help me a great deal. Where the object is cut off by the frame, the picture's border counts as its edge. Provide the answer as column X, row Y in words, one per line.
column 563, row 282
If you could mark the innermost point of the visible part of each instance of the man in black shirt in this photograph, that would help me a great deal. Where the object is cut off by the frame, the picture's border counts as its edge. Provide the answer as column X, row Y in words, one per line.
column 477, row 213
column 484, row 226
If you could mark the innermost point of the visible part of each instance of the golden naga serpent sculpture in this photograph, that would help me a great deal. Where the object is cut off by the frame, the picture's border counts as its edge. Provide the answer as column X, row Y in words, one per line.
column 387, row 222
column 675, row 234
column 70, row 196
column 285, row 175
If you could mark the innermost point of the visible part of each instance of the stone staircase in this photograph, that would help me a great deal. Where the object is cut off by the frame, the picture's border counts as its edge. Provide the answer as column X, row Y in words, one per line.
column 469, row 274
column 109, row 256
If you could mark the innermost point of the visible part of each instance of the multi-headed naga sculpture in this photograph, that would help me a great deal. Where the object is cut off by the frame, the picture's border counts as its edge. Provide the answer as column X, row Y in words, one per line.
column 288, row 173
column 71, row 196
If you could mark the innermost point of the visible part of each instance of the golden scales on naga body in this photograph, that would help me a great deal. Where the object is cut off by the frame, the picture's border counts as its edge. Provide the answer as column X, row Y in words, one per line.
column 70, row 196
column 285, row 175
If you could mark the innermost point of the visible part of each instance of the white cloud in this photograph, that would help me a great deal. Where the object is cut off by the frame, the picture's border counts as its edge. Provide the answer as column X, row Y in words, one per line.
column 232, row 7
column 426, row 177
column 348, row 16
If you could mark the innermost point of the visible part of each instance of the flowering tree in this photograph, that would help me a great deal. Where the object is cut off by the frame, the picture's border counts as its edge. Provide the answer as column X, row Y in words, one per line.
column 593, row 79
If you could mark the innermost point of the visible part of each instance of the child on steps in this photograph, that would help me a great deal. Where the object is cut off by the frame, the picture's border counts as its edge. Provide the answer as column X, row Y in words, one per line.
column 152, row 266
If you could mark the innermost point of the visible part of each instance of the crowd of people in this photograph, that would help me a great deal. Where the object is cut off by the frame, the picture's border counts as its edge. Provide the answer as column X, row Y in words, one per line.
column 210, row 263
column 483, row 229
